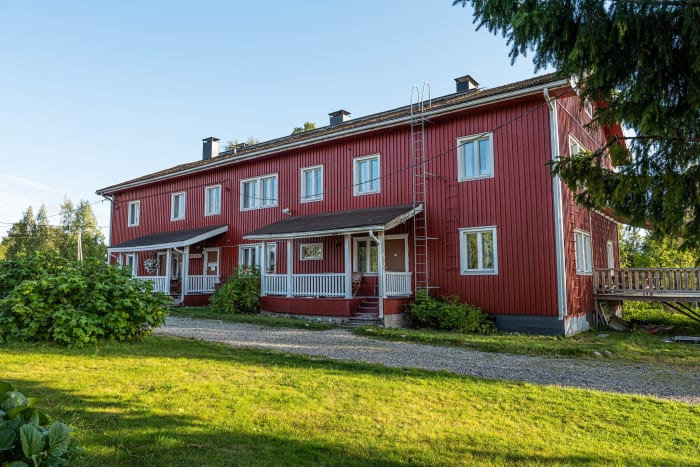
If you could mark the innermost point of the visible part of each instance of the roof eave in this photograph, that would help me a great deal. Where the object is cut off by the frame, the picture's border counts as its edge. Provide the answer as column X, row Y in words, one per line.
column 165, row 246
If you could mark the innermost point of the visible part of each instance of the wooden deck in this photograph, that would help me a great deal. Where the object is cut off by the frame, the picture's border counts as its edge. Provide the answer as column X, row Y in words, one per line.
column 676, row 288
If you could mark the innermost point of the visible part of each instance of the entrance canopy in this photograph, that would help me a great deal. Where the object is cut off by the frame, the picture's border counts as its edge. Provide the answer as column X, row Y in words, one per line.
column 164, row 240
column 337, row 223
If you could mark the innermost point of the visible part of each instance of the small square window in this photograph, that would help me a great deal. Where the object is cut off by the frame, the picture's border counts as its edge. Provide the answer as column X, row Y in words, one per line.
column 312, row 251
column 478, row 250
column 177, row 208
column 366, row 175
column 312, row 184
column 134, row 213
column 212, row 200
column 475, row 157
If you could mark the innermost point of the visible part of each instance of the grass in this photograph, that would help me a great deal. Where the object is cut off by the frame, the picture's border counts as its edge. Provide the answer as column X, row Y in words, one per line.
column 168, row 401
column 205, row 312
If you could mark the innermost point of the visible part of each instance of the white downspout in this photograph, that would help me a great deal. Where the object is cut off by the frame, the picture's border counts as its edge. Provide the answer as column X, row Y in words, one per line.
column 263, row 270
column 348, row 266
column 290, row 277
column 560, row 253
column 380, row 271
column 168, row 269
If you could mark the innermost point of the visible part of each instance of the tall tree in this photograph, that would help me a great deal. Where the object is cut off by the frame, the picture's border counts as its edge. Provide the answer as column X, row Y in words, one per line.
column 640, row 61
column 30, row 234
column 79, row 223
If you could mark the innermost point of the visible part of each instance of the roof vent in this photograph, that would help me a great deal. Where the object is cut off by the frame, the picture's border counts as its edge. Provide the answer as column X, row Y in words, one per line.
column 210, row 148
column 466, row 84
column 339, row 116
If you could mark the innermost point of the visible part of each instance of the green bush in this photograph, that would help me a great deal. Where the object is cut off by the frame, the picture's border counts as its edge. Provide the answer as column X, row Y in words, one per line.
column 239, row 294
column 23, row 439
column 47, row 298
column 447, row 314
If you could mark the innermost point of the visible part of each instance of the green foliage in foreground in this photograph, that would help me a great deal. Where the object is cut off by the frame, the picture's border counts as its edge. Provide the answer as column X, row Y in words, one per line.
column 167, row 401
column 239, row 294
column 448, row 314
column 23, row 439
column 47, row 298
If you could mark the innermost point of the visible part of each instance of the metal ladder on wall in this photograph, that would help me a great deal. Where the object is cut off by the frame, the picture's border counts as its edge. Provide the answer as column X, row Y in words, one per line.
column 418, row 177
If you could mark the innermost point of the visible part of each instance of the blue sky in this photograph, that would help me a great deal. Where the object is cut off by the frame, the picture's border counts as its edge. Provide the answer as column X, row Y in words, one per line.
column 93, row 93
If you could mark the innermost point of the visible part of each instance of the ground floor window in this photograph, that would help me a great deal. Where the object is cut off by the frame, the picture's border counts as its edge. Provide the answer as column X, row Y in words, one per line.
column 211, row 262
column 250, row 256
column 366, row 257
column 131, row 263
column 478, row 250
column 584, row 257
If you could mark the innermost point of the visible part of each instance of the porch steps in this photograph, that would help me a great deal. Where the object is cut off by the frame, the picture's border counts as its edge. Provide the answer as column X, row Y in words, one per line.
column 366, row 314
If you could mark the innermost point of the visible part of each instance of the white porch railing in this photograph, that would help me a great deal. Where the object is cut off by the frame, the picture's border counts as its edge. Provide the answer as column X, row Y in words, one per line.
column 199, row 284
column 647, row 282
column 158, row 282
column 397, row 284
column 330, row 284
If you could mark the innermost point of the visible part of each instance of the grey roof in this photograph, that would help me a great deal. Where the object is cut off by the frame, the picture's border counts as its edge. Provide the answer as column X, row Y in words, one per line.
column 162, row 240
column 336, row 223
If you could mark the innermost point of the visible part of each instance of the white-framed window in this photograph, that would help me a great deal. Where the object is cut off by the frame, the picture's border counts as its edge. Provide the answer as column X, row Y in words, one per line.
column 478, row 250
column 259, row 192
column 177, row 206
column 311, row 251
column 366, row 255
column 475, row 157
column 610, row 249
column 366, row 173
column 212, row 200
column 131, row 263
column 250, row 256
column 584, row 256
column 211, row 261
column 575, row 147
column 312, row 184
column 588, row 108
column 134, row 213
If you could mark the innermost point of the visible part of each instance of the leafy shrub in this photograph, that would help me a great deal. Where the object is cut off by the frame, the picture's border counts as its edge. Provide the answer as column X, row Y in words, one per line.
column 23, row 439
column 47, row 298
column 239, row 294
column 447, row 314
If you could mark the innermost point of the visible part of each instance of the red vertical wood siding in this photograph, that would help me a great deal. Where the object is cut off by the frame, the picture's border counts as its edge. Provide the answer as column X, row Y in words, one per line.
column 518, row 201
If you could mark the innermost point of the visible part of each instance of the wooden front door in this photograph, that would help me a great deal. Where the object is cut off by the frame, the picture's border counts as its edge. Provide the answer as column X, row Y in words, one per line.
column 395, row 255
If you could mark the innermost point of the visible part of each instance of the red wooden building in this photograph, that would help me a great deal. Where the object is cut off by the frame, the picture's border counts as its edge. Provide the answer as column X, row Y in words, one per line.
column 450, row 195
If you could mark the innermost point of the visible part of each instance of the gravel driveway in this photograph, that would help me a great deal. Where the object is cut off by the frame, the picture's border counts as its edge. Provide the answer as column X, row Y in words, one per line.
column 340, row 344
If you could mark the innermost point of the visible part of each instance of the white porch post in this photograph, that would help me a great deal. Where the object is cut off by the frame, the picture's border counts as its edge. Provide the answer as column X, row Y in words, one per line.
column 263, row 269
column 121, row 259
column 168, row 270
column 380, row 269
column 348, row 267
column 290, row 253
column 185, row 272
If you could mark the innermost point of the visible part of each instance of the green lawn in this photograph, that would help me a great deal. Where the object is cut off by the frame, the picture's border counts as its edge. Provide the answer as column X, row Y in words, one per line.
column 168, row 401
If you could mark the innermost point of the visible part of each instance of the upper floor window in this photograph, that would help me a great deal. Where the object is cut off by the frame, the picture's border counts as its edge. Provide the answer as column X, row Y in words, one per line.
column 134, row 213
column 259, row 192
column 311, row 251
column 312, row 184
column 584, row 257
column 177, row 207
column 212, row 200
column 478, row 250
column 366, row 175
column 475, row 157
column 575, row 147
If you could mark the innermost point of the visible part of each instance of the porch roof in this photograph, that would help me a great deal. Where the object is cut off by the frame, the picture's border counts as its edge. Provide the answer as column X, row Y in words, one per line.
column 337, row 223
column 163, row 240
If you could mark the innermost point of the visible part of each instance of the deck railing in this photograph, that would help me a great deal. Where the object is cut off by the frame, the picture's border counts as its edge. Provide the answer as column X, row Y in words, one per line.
column 329, row 284
column 201, row 284
column 647, row 282
column 158, row 282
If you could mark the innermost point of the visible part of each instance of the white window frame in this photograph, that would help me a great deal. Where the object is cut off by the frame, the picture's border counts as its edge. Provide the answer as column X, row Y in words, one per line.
column 210, row 210
column 205, row 261
column 359, row 179
column 315, row 191
column 574, row 143
column 182, row 204
column 464, row 259
column 132, row 260
column 368, row 260
column 584, row 253
column 588, row 108
column 134, row 213
column 256, row 248
column 475, row 140
column 260, row 200
column 307, row 250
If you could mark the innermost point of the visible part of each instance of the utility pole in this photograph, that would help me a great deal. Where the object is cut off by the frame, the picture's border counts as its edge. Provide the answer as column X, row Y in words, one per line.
column 80, row 244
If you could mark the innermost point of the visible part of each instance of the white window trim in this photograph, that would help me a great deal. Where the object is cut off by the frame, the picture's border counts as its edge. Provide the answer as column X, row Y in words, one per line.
column 205, row 260
column 207, row 207
column 574, row 142
column 584, row 266
column 304, row 188
column 258, row 255
column 172, row 205
column 356, row 240
column 463, row 251
column 137, row 217
column 258, row 202
column 355, row 175
column 461, row 141
column 302, row 257
column 134, row 264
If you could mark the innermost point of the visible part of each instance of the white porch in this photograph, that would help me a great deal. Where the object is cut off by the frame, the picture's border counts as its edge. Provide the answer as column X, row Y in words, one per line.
column 396, row 284
column 204, row 284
